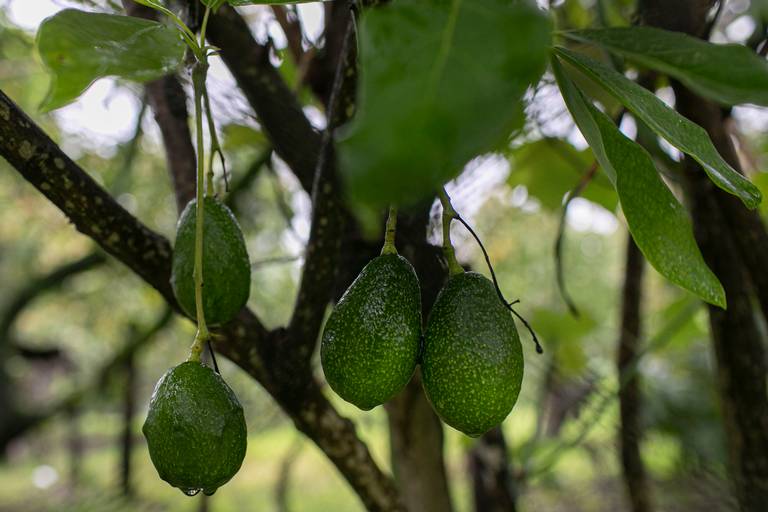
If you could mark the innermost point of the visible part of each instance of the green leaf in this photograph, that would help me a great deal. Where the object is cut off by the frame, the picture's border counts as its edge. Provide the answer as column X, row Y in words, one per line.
column 80, row 47
column 658, row 222
column 685, row 135
column 240, row 136
column 441, row 82
column 550, row 168
column 728, row 73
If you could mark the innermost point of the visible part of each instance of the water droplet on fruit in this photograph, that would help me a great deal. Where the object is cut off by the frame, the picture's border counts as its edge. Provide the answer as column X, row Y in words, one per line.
column 191, row 492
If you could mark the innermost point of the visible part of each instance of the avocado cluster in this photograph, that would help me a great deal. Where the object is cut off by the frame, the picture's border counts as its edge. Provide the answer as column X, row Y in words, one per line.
column 195, row 429
column 471, row 358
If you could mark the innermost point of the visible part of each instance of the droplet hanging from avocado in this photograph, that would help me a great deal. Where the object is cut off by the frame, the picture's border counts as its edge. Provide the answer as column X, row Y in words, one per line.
column 226, row 266
column 195, row 429
column 371, row 341
column 472, row 366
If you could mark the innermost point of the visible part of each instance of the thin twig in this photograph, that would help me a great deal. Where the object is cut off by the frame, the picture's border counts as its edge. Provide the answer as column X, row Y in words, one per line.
column 559, row 273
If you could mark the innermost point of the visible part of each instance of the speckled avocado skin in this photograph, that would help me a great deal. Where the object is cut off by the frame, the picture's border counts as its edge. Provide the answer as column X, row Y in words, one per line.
column 195, row 429
column 370, row 344
column 226, row 266
column 472, row 365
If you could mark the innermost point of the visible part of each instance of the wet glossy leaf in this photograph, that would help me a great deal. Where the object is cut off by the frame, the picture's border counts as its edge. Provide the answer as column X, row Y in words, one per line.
column 80, row 47
column 441, row 82
column 728, row 73
column 682, row 133
column 658, row 222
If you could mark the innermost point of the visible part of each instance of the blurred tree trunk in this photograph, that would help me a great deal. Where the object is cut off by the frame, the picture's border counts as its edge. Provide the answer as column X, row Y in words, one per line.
column 416, row 441
column 630, row 399
column 129, row 411
column 492, row 483
column 74, row 447
column 727, row 235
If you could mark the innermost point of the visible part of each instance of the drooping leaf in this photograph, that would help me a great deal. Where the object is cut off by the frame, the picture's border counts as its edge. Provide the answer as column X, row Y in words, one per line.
column 728, row 73
column 550, row 168
column 80, row 47
column 682, row 133
column 658, row 222
column 441, row 82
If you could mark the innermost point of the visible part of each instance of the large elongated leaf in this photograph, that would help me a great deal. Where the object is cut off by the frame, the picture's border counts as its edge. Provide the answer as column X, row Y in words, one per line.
column 728, row 73
column 441, row 82
column 79, row 47
column 658, row 222
column 685, row 135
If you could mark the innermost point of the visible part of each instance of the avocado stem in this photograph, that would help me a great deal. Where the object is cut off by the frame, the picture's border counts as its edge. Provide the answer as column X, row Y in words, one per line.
column 198, row 81
column 389, row 234
column 449, row 213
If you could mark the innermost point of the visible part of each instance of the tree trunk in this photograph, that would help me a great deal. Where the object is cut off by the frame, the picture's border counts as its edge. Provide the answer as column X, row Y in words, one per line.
column 723, row 236
column 630, row 400
column 416, row 442
column 493, row 487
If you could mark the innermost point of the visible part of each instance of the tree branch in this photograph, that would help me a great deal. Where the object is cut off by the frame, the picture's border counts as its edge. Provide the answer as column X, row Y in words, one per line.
column 329, row 218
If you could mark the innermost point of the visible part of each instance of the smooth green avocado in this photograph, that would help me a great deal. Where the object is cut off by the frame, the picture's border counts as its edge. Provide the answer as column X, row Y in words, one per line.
column 226, row 266
column 472, row 366
column 370, row 344
column 195, row 429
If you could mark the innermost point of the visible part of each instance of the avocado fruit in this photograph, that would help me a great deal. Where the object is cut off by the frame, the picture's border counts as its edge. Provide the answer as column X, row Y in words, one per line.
column 226, row 266
column 472, row 365
column 195, row 429
column 371, row 341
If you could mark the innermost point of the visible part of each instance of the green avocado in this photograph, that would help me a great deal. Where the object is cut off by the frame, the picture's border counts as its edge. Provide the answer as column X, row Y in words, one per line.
column 226, row 266
column 472, row 365
column 195, row 429
column 370, row 344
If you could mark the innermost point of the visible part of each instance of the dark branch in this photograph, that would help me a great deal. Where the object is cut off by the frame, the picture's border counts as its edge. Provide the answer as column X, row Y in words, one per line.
column 329, row 218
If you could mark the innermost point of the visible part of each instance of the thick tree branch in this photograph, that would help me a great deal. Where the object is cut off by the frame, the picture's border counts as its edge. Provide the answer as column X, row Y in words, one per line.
column 630, row 400
column 245, row 340
column 329, row 217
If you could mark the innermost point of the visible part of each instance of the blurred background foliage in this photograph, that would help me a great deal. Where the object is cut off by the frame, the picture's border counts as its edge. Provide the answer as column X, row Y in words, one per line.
column 562, row 433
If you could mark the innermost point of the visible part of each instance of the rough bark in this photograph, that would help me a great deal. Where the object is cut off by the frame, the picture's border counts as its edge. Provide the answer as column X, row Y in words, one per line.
column 630, row 399
column 245, row 340
column 727, row 235
column 492, row 483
